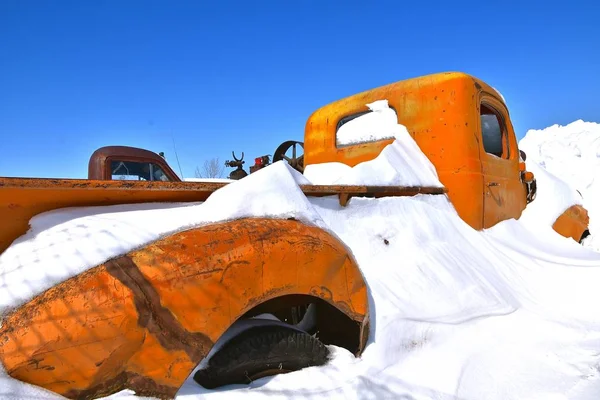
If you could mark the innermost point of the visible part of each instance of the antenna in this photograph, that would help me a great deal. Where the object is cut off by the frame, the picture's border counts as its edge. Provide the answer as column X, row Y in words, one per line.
column 176, row 156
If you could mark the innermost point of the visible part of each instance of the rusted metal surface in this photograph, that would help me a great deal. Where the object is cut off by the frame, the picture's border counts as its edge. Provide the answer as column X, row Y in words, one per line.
column 99, row 163
column 344, row 198
column 572, row 223
column 237, row 163
column 294, row 160
column 260, row 163
column 375, row 191
column 143, row 321
column 23, row 198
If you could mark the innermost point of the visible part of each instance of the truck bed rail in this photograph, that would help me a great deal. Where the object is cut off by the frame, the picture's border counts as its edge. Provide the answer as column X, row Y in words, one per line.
column 23, row 198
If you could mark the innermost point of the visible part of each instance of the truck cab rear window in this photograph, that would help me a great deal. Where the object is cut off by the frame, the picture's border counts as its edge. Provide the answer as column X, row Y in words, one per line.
column 137, row 171
column 349, row 118
column 366, row 127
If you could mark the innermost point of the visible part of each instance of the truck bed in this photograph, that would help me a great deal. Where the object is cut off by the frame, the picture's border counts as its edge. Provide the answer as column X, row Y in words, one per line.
column 23, row 198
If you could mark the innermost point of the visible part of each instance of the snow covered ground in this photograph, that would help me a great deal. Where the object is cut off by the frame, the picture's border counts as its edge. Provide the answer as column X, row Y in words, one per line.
column 512, row 312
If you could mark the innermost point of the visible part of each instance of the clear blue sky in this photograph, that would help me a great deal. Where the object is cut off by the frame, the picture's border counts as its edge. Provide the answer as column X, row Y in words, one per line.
column 244, row 75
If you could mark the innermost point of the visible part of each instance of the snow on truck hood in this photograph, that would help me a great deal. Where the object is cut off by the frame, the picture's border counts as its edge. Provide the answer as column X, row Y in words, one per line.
column 508, row 313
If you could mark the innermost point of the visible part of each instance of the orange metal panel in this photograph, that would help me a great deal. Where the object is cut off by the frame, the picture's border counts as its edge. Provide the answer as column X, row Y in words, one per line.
column 144, row 320
column 572, row 223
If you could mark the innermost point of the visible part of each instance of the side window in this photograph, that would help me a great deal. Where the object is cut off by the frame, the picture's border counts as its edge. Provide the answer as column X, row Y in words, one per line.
column 493, row 133
column 366, row 127
column 136, row 171
column 349, row 118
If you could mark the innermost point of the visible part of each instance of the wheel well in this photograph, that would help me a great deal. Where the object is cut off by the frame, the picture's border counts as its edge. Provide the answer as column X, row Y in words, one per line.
column 585, row 234
column 332, row 326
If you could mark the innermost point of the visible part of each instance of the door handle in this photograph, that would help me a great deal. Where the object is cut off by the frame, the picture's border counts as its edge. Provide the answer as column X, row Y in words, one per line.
column 493, row 184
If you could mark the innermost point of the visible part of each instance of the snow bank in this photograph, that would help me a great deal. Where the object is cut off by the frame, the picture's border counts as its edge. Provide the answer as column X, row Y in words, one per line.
column 553, row 197
column 380, row 123
column 501, row 314
column 571, row 153
column 399, row 164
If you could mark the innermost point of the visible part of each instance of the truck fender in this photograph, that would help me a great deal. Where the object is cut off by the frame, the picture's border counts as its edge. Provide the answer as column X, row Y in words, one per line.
column 144, row 320
column 573, row 223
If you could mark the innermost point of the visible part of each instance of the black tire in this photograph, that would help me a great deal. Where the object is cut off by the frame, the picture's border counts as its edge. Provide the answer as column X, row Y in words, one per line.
column 262, row 351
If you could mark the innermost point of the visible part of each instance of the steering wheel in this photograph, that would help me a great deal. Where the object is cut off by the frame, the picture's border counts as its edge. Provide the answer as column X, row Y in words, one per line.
column 295, row 161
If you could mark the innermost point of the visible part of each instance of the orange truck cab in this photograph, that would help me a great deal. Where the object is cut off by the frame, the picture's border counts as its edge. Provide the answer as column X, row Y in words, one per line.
column 145, row 319
column 463, row 126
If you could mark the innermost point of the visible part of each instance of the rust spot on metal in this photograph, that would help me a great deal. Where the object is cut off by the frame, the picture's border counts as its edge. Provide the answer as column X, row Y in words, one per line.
column 344, row 197
column 322, row 292
column 159, row 321
column 141, row 385
column 269, row 294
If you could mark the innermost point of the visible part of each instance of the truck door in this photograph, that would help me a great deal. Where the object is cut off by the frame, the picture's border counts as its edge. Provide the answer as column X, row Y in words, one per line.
column 499, row 157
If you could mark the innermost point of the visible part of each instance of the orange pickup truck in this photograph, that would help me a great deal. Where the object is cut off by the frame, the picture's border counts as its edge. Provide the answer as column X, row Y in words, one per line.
column 153, row 314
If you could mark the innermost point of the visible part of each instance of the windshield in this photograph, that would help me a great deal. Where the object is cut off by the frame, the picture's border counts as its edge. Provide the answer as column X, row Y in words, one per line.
column 137, row 171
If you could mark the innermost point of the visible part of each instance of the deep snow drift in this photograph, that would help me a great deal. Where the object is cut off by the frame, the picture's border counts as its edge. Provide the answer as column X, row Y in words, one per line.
column 509, row 313
column 572, row 153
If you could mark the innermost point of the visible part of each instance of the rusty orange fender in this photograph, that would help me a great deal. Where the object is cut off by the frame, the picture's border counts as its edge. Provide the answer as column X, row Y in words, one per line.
column 144, row 320
column 573, row 223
